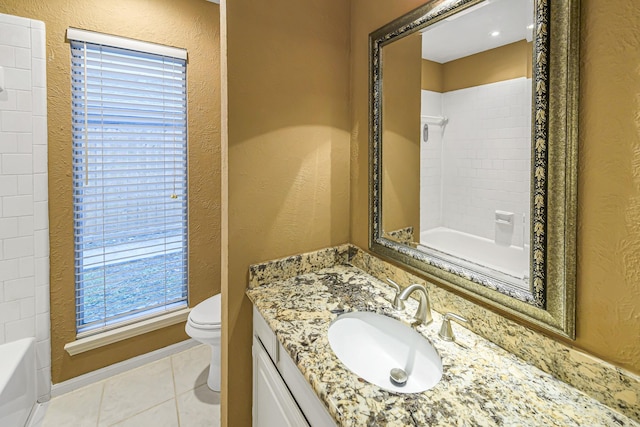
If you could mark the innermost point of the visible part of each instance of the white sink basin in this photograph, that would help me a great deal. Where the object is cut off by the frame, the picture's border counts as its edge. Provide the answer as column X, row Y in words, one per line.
column 371, row 345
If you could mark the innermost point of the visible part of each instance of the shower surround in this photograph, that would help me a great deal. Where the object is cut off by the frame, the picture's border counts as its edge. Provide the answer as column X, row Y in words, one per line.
column 24, row 221
column 479, row 161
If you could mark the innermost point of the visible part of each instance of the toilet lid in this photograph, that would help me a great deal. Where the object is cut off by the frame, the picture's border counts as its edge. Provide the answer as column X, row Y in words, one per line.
column 207, row 313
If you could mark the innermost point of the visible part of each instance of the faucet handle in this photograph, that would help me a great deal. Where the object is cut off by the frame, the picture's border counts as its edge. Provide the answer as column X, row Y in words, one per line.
column 398, row 304
column 446, row 332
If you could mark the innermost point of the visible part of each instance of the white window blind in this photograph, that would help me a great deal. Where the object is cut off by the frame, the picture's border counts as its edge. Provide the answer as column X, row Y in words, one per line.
column 130, row 184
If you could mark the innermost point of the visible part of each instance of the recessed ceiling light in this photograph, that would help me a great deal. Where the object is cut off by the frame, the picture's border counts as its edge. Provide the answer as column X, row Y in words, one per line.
column 530, row 27
column 495, row 33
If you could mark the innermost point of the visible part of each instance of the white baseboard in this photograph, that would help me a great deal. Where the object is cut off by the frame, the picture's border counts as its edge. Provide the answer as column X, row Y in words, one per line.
column 120, row 367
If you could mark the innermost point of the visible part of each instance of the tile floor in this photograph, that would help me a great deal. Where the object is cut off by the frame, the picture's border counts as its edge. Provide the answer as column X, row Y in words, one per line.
column 171, row 392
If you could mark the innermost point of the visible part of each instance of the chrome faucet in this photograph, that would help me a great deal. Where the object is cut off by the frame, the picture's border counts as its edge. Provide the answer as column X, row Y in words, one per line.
column 423, row 314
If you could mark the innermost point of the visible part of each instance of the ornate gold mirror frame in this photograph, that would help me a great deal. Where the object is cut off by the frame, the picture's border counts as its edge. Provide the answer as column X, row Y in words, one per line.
column 551, row 303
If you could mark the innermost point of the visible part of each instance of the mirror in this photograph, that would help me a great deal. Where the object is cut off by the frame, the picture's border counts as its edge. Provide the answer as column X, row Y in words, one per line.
column 473, row 136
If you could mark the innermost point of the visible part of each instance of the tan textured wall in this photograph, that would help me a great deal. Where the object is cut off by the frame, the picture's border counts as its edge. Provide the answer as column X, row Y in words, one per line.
column 401, row 134
column 495, row 65
column 288, row 153
column 190, row 24
column 432, row 78
column 609, row 182
column 502, row 63
column 608, row 290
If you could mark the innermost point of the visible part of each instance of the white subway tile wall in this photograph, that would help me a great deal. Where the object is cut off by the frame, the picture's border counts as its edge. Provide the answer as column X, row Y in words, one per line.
column 485, row 158
column 24, row 217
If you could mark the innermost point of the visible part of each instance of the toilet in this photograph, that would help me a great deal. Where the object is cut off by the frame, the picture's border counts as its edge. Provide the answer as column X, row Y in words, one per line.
column 203, row 325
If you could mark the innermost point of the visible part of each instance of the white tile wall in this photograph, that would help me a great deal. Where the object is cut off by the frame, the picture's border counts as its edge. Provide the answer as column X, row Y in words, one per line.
column 24, row 220
column 486, row 158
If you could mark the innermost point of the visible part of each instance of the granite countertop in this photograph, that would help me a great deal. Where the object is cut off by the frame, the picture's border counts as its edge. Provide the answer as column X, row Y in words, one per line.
column 482, row 384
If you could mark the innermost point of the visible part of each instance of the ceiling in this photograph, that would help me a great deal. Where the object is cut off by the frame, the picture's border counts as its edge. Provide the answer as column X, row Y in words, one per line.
column 469, row 31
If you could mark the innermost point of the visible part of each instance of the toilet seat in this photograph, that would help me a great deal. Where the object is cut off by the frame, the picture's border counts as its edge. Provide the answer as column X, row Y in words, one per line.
column 207, row 314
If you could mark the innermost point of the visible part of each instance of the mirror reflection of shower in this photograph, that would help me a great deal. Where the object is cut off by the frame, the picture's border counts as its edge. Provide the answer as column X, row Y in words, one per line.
column 475, row 153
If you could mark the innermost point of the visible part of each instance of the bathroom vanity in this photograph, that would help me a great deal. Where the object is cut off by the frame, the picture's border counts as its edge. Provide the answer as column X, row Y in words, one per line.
column 298, row 377
column 281, row 395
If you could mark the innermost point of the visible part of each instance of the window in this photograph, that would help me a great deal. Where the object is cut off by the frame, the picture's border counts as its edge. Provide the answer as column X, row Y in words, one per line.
column 129, row 179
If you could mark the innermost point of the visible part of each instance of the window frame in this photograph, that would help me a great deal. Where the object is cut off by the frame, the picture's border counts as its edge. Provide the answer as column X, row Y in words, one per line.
column 144, row 315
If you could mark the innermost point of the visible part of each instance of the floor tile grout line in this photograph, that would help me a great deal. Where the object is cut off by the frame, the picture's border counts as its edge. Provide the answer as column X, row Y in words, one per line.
column 173, row 376
column 175, row 403
column 175, row 389
column 100, row 404
column 140, row 412
column 124, row 374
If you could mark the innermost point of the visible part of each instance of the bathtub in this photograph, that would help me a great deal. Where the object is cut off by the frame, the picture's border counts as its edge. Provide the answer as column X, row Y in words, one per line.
column 17, row 382
column 480, row 254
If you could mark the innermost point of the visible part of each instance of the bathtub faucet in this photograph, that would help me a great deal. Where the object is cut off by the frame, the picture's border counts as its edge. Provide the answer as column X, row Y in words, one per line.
column 423, row 314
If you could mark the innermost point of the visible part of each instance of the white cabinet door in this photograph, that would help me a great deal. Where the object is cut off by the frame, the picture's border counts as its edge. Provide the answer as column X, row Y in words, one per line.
column 273, row 405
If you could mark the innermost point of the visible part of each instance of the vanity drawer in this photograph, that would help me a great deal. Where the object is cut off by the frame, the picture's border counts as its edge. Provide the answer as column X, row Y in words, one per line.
column 266, row 336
